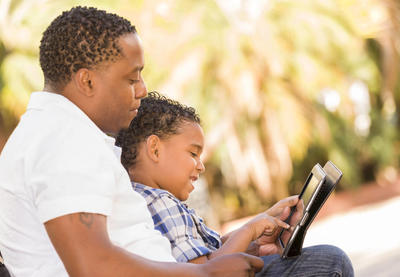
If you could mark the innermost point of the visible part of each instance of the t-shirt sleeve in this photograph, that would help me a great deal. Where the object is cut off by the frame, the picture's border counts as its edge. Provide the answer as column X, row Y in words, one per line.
column 171, row 219
column 70, row 175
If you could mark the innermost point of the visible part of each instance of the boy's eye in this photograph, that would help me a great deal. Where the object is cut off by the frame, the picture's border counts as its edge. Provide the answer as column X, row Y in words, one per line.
column 131, row 81
column 193, row 154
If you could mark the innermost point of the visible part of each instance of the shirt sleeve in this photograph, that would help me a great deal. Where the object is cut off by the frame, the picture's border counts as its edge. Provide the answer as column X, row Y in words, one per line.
column 71, row 173
column 172, row 220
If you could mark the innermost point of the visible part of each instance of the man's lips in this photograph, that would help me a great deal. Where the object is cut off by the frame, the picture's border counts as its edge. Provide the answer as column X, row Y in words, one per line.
column 194, row 178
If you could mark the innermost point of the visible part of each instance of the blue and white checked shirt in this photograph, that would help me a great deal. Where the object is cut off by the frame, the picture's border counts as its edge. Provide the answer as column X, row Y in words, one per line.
column 189, row 236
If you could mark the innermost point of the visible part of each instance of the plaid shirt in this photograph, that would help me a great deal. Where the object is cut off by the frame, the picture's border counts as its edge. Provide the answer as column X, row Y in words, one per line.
column 189, row 236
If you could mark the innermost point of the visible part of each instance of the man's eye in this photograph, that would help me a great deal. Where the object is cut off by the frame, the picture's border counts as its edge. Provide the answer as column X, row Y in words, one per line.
column 131, row 81
column 193, row 154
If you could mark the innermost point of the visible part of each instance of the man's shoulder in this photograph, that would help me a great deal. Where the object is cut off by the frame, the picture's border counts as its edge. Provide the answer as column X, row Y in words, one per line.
column 44, row 140
column 54, row 114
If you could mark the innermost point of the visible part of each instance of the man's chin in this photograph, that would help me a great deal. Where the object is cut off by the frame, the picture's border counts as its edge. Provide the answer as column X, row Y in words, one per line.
column 125, row 126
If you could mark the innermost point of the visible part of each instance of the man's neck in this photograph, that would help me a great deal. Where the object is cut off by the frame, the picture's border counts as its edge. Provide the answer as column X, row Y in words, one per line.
column 52, row 88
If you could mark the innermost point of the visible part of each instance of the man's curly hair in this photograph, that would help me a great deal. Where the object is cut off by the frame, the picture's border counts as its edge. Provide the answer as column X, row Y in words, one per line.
column 157, row 115
column 80, row 38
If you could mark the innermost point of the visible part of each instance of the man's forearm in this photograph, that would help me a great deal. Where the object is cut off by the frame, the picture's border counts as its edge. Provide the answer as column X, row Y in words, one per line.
column 82, row 242
column 119, row 262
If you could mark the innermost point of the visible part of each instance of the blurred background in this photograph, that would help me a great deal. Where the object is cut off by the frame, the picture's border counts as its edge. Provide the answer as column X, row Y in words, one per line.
column 280, row 85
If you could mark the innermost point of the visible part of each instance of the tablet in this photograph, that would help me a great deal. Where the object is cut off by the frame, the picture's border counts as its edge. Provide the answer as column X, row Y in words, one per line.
column 317, row 188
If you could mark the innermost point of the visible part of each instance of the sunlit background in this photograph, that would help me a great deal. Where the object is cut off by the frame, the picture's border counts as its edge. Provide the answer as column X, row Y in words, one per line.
column 279, row 85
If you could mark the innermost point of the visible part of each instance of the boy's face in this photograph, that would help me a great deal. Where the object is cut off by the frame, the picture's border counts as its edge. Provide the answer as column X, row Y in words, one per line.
column 180, row 164
column 119, row 87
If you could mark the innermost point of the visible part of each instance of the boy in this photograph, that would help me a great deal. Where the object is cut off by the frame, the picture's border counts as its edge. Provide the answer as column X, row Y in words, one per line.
column 161, row 152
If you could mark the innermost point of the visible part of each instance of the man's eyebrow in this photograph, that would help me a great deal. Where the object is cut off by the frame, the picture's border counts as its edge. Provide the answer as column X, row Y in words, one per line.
column 136, row 69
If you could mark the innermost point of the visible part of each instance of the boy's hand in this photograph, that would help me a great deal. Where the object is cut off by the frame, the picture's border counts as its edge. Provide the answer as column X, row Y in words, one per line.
column 264, row 230
column 277, row 209
column 281, row 209
column 259, row 235
column 238, row 264
column 266, row 243
column 265, row 225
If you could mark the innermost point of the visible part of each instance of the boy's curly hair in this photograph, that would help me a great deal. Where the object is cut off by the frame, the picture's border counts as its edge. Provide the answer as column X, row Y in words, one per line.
column 157, row 115
column 80, row 38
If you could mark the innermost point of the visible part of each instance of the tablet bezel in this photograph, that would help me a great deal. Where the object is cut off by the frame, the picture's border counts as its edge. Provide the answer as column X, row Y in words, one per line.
column 320, row 175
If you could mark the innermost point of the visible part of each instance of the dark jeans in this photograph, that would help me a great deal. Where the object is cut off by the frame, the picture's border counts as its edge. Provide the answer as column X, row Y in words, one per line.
column 320, row 260
column 4, row 271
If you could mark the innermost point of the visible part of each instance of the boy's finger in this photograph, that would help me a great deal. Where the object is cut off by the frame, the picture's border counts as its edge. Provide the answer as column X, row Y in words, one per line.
column 285, row 213
column 281, row 223
column 291, row 200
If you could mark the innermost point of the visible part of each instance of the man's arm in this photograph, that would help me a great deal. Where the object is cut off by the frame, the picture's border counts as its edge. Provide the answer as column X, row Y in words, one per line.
column 82, row 242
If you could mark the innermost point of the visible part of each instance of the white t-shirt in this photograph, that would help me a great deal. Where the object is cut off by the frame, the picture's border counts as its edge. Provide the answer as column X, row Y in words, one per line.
column 58, row 162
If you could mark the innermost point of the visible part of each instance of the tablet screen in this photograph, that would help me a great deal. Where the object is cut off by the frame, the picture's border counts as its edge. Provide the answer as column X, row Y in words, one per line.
column 309, row 190
column 305, row 196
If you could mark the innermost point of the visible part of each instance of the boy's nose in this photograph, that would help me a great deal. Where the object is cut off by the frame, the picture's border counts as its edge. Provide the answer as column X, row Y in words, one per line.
column 200, row 166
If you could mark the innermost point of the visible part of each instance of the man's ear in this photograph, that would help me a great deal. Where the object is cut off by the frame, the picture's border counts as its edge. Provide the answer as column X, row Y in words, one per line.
column 83, row 79
column 153, row 144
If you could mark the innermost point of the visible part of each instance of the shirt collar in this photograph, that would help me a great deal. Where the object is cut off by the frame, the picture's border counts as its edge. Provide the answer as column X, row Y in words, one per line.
column 142, row 187
column 43, row 99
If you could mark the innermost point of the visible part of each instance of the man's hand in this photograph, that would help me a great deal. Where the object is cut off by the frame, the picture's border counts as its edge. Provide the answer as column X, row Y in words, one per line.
column 240, row 265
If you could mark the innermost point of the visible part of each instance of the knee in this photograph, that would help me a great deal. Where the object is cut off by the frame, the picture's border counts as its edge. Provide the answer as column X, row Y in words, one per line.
column 339, row 260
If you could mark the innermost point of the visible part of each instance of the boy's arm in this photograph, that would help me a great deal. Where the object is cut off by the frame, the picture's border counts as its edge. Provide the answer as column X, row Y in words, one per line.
column 241, row 239
column 81, row 240
column 237, row 241
column 175, row 222
column 244, row 238
column 225, row 237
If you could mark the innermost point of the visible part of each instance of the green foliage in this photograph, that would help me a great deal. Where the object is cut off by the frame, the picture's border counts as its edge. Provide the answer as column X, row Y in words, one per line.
column 257, row 72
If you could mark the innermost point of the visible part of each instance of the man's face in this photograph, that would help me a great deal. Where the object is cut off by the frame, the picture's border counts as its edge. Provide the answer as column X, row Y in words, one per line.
column 120, row 86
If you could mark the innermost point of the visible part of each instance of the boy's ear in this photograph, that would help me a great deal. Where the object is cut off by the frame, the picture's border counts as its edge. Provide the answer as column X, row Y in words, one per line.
column 83, row 79
column 153, row 144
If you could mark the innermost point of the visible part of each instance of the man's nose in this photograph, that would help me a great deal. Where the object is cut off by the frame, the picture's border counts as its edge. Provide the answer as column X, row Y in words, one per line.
column 140, row 89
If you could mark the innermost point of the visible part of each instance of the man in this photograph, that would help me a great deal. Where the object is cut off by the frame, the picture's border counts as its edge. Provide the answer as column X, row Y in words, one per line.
column 66, row 204
column 67, row 207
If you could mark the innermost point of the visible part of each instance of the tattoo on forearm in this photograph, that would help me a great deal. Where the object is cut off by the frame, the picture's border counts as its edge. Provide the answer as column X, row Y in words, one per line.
column 86, row 219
